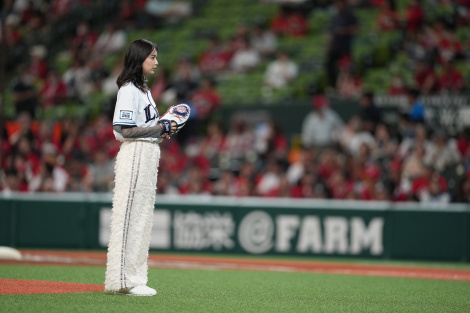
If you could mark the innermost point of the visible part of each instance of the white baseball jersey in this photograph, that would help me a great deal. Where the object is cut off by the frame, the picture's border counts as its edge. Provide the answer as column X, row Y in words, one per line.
column 135, row 108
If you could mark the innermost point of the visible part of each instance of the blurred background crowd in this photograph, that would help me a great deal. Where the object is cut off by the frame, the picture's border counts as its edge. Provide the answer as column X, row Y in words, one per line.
column 61, row 58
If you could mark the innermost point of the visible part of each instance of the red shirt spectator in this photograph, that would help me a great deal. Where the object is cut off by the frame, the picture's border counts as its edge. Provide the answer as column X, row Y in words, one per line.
column 451, row 79
column 83, row 40
column 425, row 78
column 414, row 16
column 38, row 65
column 290, row 24
column 339, row 186
column 397, row 86
column 421, row 183
column 54, row 90
column 205, row 100
column 216, row 58
column 388, row 18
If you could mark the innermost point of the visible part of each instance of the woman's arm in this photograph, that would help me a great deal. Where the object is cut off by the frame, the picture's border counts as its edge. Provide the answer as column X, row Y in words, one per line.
column 142, row 132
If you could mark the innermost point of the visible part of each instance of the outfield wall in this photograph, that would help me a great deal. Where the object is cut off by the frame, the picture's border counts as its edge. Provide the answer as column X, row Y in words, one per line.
column 247, row 226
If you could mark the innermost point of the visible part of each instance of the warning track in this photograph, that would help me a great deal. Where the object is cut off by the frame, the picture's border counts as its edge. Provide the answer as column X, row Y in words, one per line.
column 81, row 258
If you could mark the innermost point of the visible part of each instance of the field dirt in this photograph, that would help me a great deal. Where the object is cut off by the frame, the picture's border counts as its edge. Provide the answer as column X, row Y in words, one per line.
column 83, row 258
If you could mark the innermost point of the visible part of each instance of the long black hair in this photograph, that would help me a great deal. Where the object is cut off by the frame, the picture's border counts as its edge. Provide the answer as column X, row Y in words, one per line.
column 132, row 71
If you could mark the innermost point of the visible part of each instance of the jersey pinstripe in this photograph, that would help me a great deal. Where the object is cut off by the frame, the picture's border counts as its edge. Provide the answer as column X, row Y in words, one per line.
column 135, row 108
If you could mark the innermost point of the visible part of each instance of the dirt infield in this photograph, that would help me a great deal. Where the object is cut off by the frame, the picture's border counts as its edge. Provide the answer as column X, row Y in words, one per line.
column 80, row 258
column 16, row 286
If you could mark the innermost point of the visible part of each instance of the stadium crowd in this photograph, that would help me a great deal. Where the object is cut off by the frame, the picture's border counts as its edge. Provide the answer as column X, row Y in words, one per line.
column 362, row 158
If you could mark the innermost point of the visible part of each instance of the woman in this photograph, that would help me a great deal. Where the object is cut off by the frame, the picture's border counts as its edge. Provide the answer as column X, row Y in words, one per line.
column 137, row 124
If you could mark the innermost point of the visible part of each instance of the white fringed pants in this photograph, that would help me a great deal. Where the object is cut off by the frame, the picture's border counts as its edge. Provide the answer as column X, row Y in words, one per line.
column 136, row 172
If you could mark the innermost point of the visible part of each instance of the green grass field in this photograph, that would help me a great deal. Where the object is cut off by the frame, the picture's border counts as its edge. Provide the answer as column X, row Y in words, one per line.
column 241, row 291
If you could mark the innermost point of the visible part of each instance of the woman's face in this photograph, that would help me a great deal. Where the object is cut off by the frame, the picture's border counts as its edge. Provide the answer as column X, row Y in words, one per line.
column 150, row 64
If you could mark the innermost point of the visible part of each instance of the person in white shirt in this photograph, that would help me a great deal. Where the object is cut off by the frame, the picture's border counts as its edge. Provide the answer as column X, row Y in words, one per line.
column 263, row 40
column 321, row 127
column 137, row 124
column 281, row 71
column 113, row 39
column 245, row 58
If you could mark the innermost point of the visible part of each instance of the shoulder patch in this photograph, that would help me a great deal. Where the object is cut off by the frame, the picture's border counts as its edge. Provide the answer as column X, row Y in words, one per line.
column 126, row 115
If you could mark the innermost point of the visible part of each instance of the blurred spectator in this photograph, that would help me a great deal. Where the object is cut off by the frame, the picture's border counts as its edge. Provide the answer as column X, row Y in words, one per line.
column 321, row 127
column 263, row 40
column 98, row 135
column 388, row 18
column 414, row 17
column 164, row 185
column 214, row 142
column 462, row 10
column 244, row 182
column 184, row 85
column 445, row 42
column 413, row 165
column 329, row 161
column 419, row 137
column 306, row 163
column 424, row 187
column 127, row 13
column 343, row 27
column 416, row 111
column 463, row 191
column 225, row 185
column 245, row 58
column 11, row 182
column 77, row 170
column 51, row 177
column 239, row 145
column 357, row 137
column 160, row 85
column 451, row 80
column 270, row 141
column 61, row 7
column 309, row 187
column 269, row 180
column 397, row 86
column 25, row 95
column 426, row 80
column 169, row 10
column 72, row 141
column 38, row 65
column 397, row 187
column 97, row 74
column 205, row 100
column 25, row 159
column 109, row 86
column 83, row 42
column 183, row 67
column 370, row 114
column 348, row 83
column 289, row 22
column 280, row 72
column 11, row 33
column 385, row 145
column 54, row 90
column 463, row 143
column 112, row 39
column 339, row 186
column 442, row 152
column 77, row 79
column 24, row 128
column 215, row 58
column 194, row 181
column 372, row 188
column 100, row 173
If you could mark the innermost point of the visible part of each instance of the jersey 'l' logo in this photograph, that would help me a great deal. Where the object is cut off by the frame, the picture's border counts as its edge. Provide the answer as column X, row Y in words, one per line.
column 148, row 115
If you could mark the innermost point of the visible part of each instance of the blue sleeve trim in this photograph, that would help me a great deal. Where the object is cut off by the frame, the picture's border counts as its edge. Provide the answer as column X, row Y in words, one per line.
column 123, row 123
